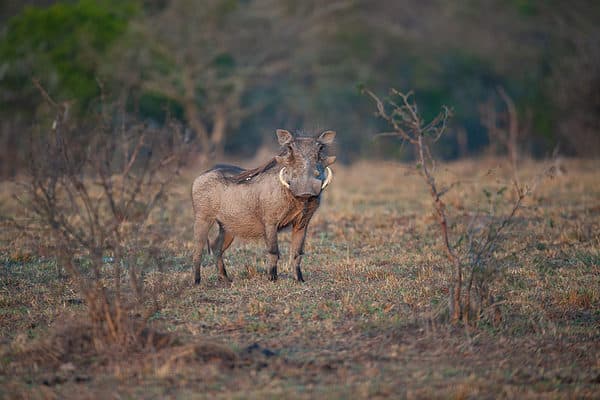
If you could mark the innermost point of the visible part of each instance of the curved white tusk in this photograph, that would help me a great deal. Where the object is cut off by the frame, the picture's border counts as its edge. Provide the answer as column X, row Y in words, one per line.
column 283, row 182
column 327, row 180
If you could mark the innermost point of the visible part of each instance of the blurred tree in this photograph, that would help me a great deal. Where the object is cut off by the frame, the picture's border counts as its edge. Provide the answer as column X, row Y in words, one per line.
column 224, row 61
column 203, row 58
column 573, row 85
column 62, row 45
column 328, row 57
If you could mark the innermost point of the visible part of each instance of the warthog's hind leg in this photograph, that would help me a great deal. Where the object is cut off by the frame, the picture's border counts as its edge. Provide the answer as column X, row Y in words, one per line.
column 201, row 228
column 221, row 244
column 272, row 250
column 297, row 250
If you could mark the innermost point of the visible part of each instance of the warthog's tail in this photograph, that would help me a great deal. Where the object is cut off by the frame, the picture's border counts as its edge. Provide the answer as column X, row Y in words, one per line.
column 209, row 249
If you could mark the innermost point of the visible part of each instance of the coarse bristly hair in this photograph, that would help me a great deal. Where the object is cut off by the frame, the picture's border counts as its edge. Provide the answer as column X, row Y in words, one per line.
column 247, row 175
column 251, row 173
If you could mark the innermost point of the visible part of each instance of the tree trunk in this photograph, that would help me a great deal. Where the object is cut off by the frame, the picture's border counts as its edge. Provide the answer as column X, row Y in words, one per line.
column 218, row 133
column 513, row 128
column 192, row 113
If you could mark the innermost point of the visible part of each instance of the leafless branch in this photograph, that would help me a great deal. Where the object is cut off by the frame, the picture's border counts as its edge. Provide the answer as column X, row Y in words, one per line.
column 407, row 124
column 45, row 94
column 71, row 192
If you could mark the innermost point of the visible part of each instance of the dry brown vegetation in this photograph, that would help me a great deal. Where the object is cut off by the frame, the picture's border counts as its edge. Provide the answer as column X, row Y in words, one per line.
column 367, row 321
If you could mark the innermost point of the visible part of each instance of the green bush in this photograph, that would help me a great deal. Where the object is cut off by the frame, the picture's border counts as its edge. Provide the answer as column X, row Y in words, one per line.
column 62, row 45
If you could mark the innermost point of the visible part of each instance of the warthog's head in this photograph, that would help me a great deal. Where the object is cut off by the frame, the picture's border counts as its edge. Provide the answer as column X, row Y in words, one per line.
column 304, row 165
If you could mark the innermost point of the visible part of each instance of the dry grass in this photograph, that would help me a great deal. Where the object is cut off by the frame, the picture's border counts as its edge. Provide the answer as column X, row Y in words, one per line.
column 362, row 326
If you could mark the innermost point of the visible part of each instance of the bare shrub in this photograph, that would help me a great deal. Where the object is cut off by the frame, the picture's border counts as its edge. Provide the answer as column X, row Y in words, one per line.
column 473, row 256
column 92, row 193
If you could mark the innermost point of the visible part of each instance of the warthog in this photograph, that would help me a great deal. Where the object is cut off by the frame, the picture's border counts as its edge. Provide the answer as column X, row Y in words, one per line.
column 258, row 203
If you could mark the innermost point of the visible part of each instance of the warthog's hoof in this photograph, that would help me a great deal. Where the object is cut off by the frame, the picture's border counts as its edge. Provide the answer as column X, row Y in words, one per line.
column 225, row 279
column 197, row 281
column 273, row 273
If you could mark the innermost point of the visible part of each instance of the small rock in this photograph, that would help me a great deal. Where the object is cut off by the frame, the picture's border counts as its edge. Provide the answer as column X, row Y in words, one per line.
column 255, row 347
column 67, row 367
column 268, row 353
column 82, row 378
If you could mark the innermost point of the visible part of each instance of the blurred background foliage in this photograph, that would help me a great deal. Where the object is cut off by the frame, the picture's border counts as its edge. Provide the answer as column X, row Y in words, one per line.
column 232, row 71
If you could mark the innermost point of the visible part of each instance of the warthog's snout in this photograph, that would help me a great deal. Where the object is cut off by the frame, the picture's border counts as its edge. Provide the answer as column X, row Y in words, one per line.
column 306, row 188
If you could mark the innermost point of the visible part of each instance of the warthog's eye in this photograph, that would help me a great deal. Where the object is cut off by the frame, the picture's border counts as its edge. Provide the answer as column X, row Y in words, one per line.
column 316, row 173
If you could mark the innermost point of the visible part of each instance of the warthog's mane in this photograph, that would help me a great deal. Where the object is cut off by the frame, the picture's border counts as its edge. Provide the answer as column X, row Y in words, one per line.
column 251, row 173
column 247, row 175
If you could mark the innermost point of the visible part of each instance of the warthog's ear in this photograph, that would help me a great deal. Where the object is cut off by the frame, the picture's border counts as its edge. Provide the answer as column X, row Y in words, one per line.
column 284, row 137
column 326, row 137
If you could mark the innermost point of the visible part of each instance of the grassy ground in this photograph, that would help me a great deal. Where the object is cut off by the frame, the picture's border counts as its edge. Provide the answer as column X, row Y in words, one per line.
column 366, row 324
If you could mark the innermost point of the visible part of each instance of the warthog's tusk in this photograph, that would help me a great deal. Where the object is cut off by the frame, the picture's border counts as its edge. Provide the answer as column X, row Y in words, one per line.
column 283, row 182
column 327, row 180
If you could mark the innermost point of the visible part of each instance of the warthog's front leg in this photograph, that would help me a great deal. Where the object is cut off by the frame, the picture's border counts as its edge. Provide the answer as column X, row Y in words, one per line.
column 297, row 250
column 272, row 250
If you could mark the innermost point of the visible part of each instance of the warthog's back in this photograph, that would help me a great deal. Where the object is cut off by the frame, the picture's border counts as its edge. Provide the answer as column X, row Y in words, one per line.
column 242, row 208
